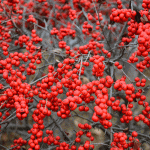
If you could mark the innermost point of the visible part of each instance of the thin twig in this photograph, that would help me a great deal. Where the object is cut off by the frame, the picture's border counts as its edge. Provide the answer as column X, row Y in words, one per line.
column 137, row 70
column 59, row 127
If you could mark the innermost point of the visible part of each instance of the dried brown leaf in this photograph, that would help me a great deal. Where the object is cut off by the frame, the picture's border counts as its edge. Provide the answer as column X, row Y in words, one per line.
column 57, row 50
column 126, row 130
column 136, row 144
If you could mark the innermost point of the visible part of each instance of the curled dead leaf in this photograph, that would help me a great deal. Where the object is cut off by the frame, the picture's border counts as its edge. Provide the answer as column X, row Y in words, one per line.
column 136, row 145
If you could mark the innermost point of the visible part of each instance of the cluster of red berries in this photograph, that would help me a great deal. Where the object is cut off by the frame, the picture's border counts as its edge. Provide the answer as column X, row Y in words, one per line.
column 127, row 117
column 133, row 58
column 120, row 84
column 5, row 115
column 6, row 35
column 98, row 67
column 63, row 32
column 100, row 18
column 37, row 133
column 5, row 46
column 66, row 7
column 133, row 140
column 133, row 28
column 130, row 96
column 22, row 39
column 21, row 105
column 121, row 15
column 14, row 78
column 106, row 52
column 83, row 49
column 145, row 116
column 67, row 105
column 128, row 88
column 31, row 19
column 41, row 1
column 62, row 44
column 83, row 108
column 15, row 60
column 143, row 31
column 140, row 83
column 50, row 139
column 143, row 40
column 119, row 141
column 125, row 40
column 63, row 146
column 34, row 59
column 14, row 97
column 54, row 31
column 90, row 17
column 146, row 62
column 18, row 143
column 119, row 3
column 41, row 111
column 87, row 28
column 72, row 14
column 145, row 112
column 101, row 113
column 84, row 4
column 90, row 47
column 118, row 65
column 143, row 64
column 35, row 38
column 114, row 104
column 86, row 146
column 100, row 47
column 86, row 127
column 146, row 4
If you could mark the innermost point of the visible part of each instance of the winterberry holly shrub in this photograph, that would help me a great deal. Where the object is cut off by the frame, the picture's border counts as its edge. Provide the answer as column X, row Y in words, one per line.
column 80, row 63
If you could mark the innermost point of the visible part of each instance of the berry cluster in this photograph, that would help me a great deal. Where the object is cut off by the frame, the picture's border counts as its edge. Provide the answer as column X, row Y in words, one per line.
column 18, row 143
column 63, row 32
column 62, row 44
column 119, row 3
column 118, row 65
column 72, row 14
column 119, row 141
column 50, row 139
column 98, row 67
column 21, row 105
column 145, row 118
column 127, row 115
column 140, row 83
column 133, row 27
column 146, row 4
column 83, row 108
column 133, row 59
column 86, row 127
column 87, row 28
column 5, row 46
column 121, row 15
column 101, row 113
column 31, row 19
